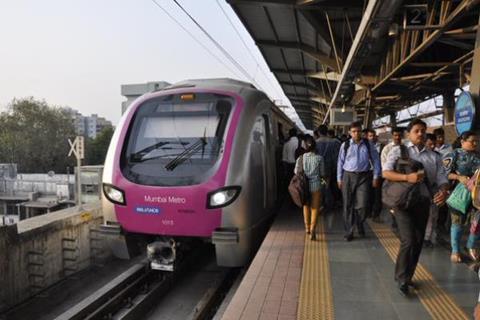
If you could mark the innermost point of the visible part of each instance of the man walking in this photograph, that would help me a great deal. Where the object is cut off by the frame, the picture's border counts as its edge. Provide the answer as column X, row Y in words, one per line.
column 376, row 193
column 397, row 136
column 354, row 178
column 325, row 147
column 412, row 221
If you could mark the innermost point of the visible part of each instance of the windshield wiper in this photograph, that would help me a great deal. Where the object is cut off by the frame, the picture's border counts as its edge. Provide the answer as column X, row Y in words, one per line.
column 187, row 153
column 137, row 156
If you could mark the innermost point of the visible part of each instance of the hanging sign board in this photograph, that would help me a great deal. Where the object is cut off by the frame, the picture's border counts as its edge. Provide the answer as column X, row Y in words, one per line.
column 415, row 15
column 464, row 112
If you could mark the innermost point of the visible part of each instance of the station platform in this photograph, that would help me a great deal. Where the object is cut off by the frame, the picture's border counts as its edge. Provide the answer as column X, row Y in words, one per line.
column 292, row 277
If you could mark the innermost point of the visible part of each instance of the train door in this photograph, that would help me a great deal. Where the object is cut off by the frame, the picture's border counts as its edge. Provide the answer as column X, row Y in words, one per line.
column 258, row 156
column 269, row 167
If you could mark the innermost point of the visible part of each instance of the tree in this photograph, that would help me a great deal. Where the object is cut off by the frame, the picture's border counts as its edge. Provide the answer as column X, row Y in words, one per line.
column 34, row 135
column 96, row 149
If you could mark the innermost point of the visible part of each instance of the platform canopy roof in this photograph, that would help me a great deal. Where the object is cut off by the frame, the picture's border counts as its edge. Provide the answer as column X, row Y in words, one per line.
column 375, row 56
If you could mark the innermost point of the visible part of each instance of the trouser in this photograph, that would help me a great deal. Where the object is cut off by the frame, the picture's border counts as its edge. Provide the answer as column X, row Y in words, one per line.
column 432, row 222
column 456, row 231
column 311, row 211
column 328, row 201
column 376, row 201
column 411, row 227
column 443, row 220
column 355, row 192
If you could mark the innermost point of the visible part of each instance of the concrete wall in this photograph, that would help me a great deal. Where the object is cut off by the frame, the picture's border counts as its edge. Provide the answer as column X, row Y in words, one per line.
column 38, row 252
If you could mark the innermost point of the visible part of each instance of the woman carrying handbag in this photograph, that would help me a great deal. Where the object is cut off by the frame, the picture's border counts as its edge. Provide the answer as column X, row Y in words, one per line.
column 461, row 165
column 314, row 169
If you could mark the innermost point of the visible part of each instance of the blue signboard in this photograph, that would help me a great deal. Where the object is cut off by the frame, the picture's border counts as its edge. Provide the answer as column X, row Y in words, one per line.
column 464, row 112
column 147, row 210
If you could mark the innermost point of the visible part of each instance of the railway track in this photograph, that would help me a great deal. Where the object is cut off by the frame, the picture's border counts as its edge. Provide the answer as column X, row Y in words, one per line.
column 137, row 291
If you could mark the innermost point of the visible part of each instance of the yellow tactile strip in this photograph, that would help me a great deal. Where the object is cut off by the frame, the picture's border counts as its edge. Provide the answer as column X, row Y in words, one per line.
column 316, row 298
column 437, row 302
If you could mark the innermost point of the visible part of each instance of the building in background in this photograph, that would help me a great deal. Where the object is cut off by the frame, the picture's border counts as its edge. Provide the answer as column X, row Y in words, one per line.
column 133, row 91
column 88, row 126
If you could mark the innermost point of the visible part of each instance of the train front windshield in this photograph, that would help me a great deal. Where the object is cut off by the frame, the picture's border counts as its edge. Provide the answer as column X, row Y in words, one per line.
column 176, row 140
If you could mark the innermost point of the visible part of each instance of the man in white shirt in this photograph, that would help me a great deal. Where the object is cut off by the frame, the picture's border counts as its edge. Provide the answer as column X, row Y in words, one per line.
column 441, row 147
column 288, row 154
column 397, row 135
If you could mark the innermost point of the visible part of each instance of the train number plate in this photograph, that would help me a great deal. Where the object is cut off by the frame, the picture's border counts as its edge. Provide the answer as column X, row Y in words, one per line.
column 162, row 267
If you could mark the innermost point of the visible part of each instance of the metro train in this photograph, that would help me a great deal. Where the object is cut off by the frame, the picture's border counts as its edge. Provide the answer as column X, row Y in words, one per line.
column 197, row 159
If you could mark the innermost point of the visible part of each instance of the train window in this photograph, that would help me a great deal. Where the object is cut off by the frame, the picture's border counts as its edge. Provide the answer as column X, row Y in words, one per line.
column 172, row 142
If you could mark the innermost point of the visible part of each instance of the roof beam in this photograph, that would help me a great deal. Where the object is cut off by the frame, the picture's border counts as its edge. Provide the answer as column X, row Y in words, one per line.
column 317, row 98
column 299, row 84
column 461, row 9
column 311, row 52
column 458, row 44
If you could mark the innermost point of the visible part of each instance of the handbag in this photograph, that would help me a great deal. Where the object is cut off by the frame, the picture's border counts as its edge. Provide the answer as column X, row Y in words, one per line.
column 460, row 199
column 298, row 187
column 403, row 195
column 474, row 188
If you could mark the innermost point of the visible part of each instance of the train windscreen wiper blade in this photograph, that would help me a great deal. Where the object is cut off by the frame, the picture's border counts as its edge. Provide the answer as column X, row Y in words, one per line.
column 138, row 156
column 186, row 154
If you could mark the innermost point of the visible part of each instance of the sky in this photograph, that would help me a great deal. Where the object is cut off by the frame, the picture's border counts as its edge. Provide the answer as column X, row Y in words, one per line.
column 77, row 53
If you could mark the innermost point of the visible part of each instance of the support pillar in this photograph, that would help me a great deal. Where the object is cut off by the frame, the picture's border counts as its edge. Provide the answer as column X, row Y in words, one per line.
column 369, row 114
column 448, row 107
column 393, row 119
column 475, row 77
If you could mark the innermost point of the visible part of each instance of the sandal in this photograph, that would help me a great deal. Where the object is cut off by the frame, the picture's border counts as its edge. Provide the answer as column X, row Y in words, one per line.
column 473, row 254
column 456, row 258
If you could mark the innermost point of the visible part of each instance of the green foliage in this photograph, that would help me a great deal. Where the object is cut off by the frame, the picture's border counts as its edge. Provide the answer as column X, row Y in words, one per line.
column 34, row 135
column 96, row 149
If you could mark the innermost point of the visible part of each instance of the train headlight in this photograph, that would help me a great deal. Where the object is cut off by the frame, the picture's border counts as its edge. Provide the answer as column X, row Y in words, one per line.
column 222, row 197
column 114, row 194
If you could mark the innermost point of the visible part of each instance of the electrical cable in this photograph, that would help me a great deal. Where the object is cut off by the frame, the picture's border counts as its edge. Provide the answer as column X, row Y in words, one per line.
column 219, row 46
column 194, row 38
column 248, row 49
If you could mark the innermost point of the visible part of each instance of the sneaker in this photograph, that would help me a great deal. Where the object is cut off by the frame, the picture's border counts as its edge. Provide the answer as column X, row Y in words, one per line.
column 403, row 289
column 412, row 284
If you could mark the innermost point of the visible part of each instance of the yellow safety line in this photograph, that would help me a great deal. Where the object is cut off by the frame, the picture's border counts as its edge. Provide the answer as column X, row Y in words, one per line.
column 437, row 302
column 316, row 298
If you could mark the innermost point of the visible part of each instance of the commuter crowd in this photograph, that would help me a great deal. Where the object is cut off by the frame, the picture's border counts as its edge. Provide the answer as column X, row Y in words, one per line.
column 427, row 187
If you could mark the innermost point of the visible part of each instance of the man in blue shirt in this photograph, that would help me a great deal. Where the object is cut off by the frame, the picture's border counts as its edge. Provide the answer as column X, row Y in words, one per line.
column 354, row 177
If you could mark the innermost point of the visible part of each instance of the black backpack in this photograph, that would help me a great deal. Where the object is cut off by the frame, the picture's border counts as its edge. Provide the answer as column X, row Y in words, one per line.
column 404, row 195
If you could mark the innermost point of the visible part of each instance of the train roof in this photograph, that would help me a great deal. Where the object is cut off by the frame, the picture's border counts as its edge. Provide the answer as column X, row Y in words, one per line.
column 223, row 83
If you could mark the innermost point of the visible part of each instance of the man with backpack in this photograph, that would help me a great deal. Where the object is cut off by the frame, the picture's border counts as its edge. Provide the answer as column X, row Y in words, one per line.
column 424, row 176
column 355, row 178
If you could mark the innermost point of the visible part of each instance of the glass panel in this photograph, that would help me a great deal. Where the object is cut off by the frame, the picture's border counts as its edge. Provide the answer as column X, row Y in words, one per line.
column 174, row 142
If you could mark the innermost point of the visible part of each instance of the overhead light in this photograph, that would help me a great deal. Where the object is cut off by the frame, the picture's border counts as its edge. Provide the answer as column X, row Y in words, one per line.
column 393, row 30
